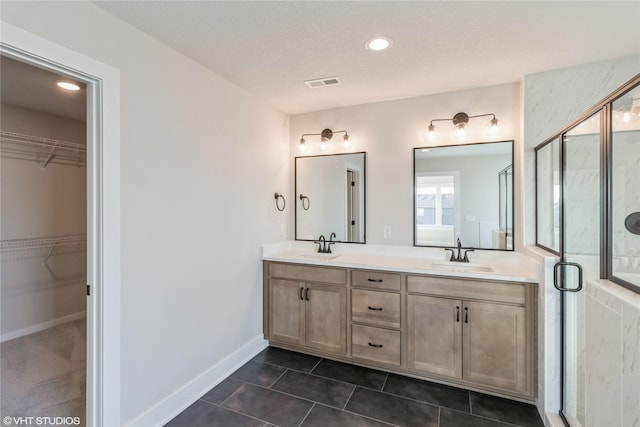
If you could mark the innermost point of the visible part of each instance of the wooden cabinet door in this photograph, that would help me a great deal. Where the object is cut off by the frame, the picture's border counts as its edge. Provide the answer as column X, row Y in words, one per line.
column 434, row 332
column 326, row 318
column 286, row 311
column 494, row 345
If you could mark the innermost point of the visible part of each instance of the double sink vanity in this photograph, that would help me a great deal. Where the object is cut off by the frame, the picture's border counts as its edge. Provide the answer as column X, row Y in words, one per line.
column 411, row 310
column 407, row 310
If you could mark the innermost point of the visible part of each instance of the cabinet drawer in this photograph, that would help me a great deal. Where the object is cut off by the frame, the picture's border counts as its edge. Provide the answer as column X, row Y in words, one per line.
column 375, row 308
column 308, row 273
column 512, row 293
column 375, row 279
column 379, row 345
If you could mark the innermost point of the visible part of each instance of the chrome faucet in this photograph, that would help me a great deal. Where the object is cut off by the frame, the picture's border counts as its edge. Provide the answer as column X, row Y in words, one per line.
column 324, row 247
column 459, row 257
column 321, row 244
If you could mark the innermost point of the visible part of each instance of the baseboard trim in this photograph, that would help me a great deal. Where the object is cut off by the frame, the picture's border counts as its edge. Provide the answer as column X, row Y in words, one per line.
column 42, row 326
column 168, row 408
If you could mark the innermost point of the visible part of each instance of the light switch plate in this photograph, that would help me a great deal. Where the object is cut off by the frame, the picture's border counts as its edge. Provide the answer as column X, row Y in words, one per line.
column 387, row 231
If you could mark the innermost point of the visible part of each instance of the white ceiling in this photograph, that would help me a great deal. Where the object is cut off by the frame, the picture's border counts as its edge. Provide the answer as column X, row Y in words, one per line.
column 271, row 48
column 26, row 86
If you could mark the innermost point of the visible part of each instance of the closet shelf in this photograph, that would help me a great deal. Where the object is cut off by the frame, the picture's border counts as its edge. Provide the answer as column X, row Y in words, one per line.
column 50, row 243
column 42, row 150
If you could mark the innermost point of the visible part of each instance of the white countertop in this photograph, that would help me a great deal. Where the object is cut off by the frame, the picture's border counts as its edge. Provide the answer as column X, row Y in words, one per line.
column 488, row 265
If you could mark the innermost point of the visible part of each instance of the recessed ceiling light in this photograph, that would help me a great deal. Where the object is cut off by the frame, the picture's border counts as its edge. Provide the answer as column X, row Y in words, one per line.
column 68, row 85
column 379, row 43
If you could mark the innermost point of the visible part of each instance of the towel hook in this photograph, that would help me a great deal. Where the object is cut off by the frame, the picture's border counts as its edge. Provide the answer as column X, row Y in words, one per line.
column 304, row 198
column 278, row 197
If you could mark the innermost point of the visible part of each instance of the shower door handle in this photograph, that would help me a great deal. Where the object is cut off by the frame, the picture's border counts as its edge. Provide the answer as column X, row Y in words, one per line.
column 556, row 270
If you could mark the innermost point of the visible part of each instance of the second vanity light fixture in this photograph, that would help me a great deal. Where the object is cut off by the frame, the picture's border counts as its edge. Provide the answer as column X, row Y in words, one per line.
column 460, row 122
column 325, row 137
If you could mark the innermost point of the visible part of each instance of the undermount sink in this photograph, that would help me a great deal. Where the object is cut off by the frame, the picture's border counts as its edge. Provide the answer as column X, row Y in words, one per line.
column 318, row 256
column 462, row 267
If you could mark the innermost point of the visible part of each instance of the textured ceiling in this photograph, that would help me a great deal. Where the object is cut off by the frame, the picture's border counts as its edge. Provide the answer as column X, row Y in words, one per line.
column 26, row 86
column 271, row 48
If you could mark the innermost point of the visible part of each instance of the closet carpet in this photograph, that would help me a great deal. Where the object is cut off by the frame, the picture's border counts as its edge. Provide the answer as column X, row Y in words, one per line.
column 44, row 374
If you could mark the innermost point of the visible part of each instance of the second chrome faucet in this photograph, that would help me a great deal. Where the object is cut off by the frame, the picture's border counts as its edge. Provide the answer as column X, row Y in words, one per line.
column 459, row 257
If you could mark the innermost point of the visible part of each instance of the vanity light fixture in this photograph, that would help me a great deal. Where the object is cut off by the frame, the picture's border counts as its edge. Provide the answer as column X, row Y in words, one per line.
column 68, row 85
column 325, row 137
column 460, row 122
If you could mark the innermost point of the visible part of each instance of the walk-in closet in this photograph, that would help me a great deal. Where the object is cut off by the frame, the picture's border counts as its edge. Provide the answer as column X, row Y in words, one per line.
column 42, row 243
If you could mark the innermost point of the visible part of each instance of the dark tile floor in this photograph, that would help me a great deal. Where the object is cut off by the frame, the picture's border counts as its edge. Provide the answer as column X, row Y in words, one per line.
column 285, row 388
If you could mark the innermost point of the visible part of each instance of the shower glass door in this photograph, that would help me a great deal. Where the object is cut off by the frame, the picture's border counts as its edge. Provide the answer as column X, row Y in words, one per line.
column 580, row 253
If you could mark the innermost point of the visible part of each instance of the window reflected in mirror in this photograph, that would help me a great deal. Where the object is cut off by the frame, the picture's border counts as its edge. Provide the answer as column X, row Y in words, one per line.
column 465, row 192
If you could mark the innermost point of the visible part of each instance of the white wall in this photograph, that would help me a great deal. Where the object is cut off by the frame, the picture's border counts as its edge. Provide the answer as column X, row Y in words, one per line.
column 551, row 100
column 37, row 203
column 388, row 132
column 193, row 214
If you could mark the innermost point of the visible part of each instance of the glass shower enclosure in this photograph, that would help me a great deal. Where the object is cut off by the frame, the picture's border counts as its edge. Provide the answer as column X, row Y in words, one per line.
column 588, row 213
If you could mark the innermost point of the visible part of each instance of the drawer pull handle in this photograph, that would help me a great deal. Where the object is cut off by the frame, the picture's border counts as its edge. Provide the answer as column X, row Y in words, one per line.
column 301, row 297
column 306, row 294
column 466, row 315
column 375, row 345
column 374, row 280
column 375, row 308
column 457, row 313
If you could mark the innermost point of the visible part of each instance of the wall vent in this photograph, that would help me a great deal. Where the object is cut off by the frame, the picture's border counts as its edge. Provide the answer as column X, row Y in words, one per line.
column 326, row 81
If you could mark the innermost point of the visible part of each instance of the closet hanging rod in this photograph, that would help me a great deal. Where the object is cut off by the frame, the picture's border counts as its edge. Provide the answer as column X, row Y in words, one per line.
column 42, row 242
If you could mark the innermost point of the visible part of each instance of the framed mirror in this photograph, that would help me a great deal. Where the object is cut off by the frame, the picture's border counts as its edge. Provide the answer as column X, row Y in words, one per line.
column 466, row 192
column 330, row 197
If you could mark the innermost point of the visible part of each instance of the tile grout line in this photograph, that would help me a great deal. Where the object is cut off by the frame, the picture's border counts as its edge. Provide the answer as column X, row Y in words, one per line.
column 239, row 413
column 505, row 423
column 286, row 367
column 227, row 398
column 341, row 381
column 413, row 400
column 308, row 412
column 316, row 365
column 385, row 381
column 277, row 379
column 369, row 417
column 287, row 394
column 349, row 398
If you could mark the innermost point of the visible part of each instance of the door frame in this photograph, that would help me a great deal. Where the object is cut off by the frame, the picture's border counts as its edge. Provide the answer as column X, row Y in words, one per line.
column 103, row 210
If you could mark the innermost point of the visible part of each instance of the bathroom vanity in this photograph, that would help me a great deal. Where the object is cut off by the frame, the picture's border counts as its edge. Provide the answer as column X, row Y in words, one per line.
column 467, row 325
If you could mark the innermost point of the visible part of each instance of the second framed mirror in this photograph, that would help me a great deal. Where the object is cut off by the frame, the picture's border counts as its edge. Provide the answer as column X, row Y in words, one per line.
column 464, row 192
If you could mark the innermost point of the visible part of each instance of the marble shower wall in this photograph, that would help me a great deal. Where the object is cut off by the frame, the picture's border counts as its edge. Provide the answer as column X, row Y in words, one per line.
column 612, row 355
column 551, row 100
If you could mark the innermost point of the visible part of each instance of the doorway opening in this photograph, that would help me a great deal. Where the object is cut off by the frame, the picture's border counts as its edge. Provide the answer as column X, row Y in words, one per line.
column 43, row 242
